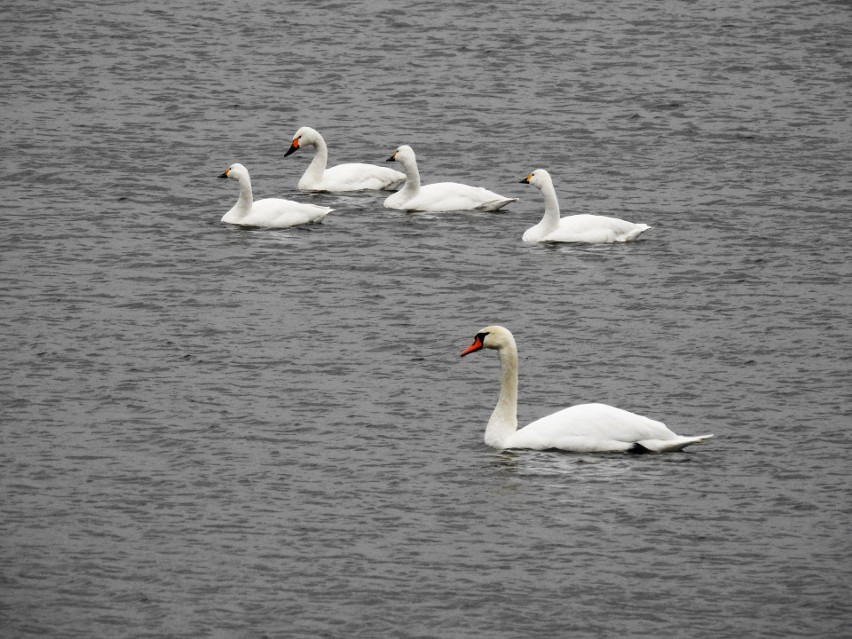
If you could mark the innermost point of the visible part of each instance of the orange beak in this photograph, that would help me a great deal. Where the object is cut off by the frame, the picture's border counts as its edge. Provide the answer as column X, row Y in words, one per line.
column 226, row 173
column 477, row 344
column 294, row 146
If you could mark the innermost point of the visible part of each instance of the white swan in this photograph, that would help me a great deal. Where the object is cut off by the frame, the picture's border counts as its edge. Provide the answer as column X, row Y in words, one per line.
column 343, row 177
column 443, row 196
column 594, row 229
column 586, row 428
column 271, row 212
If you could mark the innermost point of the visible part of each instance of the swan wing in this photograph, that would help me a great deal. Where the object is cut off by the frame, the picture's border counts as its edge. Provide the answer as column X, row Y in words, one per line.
column 280, row 213
column 595, row 229
column 452, row 196
column 358, row 176
column 592, row 428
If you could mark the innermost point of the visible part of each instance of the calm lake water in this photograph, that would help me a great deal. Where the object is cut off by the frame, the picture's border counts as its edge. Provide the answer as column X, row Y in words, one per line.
column 218, row 432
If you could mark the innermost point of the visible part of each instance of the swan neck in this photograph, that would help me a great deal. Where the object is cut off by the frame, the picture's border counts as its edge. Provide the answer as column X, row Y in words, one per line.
column 412, row 177
column 244, row 202
column 319, row 163
column 551, row 206
column 504, row 419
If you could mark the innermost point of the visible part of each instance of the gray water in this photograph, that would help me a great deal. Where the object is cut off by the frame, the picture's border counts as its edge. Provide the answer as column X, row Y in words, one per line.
column 218, row 432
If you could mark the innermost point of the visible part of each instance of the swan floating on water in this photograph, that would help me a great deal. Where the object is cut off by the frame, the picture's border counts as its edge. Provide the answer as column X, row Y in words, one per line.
column 593, row 229
column 343, row 177
column 585, row 428
column 270, row 212
column 442, row 196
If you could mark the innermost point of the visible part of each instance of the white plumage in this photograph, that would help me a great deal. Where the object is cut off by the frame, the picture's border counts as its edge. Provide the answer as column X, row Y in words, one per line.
column 593, row 229
column 442, row 196
column 353, row 176
column 271, row 212
column 585, row 428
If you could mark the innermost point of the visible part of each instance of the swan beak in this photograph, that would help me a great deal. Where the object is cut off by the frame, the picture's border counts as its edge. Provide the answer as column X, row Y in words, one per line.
column 527, row 179
column 225, row 174
column 293, row 147
column 392, row 158
column 477, row 345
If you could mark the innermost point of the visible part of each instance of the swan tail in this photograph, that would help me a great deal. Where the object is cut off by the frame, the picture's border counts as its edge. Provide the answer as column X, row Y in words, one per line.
column 666, row 445
column 634, row 233
column 494, row 205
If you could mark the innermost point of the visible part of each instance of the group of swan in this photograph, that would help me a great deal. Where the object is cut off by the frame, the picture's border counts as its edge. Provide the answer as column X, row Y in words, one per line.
column 585, row 428
column 442, row 196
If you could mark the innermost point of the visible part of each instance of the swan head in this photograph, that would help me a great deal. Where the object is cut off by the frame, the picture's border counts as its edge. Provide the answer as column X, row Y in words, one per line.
column 403, row 154
column 496, row 337
column 538, row 178
column 235, row 172
column 305, row 136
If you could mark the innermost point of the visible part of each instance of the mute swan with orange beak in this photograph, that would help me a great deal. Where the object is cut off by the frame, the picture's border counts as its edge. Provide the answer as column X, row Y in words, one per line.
column 585, row 428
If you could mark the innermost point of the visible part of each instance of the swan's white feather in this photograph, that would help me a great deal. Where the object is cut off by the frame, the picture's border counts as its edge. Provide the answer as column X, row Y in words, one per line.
column 353, row 176
column 585, row 428
column 269, row 212
column 441, row 196
column 591, row 229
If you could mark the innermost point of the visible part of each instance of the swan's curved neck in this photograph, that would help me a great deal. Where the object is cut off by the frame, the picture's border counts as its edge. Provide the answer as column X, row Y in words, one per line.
column 504, row 419
column 244, row 202
column 550, row 220
column 318, row 165
column 412, row 178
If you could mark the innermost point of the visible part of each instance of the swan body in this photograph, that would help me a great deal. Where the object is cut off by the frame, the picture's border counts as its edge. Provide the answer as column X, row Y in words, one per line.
column 442, row 196
column 271, row 212
column 585, row 428
column 592, row 229
column 343, row 177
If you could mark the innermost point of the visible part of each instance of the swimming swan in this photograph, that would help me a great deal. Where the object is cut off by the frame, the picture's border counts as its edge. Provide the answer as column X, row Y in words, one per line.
column 443, row 196
column 271, row 212
column 594, row 229
column 586, row 428
column 343, row 177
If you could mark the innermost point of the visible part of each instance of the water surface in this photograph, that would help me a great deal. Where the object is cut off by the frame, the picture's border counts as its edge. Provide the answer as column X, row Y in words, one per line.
column 220, row 432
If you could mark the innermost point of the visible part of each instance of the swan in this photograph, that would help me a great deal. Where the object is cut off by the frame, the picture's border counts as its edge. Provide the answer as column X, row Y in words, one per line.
column 343, row 177
column 585, row 428
column 443, row 196
column 271, row 212
column 594, row 229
